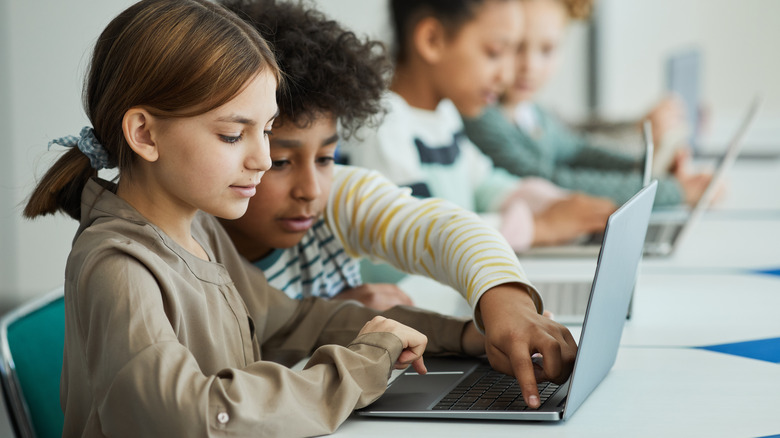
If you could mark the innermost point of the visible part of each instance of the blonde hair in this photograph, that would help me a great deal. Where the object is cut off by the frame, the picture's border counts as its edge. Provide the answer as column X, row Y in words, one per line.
column 578, row 9
column 176, row 58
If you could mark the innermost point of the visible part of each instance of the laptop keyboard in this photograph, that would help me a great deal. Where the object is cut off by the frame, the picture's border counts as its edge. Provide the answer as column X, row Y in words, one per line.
column 488, row 390
column 654, row 233
column 659, row 233
column 663, row 233
column 594, row 239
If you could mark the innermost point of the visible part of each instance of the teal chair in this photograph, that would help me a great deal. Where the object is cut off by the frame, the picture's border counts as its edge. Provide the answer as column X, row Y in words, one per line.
column 31, row 342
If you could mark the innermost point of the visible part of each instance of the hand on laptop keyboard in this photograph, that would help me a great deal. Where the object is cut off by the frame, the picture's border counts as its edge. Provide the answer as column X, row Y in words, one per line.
column 489, row 390
column 515, row 332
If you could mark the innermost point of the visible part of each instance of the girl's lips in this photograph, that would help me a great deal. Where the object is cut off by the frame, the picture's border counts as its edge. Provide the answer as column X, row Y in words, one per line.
column 245, row 191
column 297, row 224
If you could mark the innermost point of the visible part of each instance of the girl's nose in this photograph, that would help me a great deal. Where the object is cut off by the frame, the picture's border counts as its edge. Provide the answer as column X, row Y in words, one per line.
column 259, row 157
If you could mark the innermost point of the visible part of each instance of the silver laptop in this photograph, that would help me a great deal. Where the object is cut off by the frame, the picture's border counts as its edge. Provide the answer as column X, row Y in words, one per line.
column 568, row 299
column 669, row 226
column 467, row 389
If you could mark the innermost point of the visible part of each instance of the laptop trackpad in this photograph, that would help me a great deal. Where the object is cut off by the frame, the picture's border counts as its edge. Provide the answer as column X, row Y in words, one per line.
column 413, row 392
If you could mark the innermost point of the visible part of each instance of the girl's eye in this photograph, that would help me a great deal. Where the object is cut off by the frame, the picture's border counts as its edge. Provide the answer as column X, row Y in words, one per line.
column 230, row 138
column 279, row 164
column 268, row 133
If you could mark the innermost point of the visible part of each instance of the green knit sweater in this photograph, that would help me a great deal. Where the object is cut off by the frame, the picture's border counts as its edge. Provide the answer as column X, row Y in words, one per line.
column 563, row 157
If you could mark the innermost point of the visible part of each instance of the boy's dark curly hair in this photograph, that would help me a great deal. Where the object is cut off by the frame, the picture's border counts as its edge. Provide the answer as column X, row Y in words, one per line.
column 328, row 70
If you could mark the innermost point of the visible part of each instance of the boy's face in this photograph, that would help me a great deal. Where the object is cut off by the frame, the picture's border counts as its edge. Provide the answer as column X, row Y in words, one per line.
column 537, row 58
column 293, row 193
column 477, row 64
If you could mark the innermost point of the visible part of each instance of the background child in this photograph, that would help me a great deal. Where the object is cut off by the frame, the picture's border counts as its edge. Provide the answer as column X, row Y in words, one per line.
column 526, row 140
column 310, row 218
column 165, row 323
column 459, row 56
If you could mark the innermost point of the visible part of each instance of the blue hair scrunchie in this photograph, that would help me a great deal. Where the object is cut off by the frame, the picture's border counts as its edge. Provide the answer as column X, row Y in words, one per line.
column 88, row 144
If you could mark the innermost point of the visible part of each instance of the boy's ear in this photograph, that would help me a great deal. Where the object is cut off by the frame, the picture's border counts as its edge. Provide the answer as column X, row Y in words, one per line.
column 429, row 39
column 136, row 125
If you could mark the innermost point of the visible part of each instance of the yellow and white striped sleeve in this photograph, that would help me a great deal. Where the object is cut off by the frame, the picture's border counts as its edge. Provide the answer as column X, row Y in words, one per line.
column 432, row 237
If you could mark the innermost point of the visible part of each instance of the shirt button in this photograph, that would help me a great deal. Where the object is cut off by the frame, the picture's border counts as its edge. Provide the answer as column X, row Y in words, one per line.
column 223, row 417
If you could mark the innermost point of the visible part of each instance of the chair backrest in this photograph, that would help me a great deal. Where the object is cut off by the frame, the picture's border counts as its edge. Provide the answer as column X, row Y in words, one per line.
column 32, row 338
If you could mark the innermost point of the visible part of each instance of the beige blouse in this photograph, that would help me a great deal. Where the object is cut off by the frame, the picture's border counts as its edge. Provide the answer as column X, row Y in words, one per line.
column 161, row 343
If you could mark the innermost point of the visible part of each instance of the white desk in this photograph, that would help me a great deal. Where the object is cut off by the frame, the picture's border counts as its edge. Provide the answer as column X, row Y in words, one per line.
column 659, row 386
column 712, row 246
column 699, row 310
column 752, row 187
column 669, row 310
column 649, row 393
column 716, row 244
column 662, row 384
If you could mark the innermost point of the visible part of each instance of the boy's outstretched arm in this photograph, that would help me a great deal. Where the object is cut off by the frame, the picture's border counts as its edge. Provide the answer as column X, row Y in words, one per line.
column 515, row 332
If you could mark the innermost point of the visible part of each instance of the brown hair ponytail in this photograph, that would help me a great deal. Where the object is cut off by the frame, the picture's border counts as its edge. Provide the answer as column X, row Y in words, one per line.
column 61, row 186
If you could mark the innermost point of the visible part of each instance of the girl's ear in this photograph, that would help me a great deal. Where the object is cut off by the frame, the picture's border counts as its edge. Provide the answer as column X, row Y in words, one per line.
column 429, row 39
column 136, row 125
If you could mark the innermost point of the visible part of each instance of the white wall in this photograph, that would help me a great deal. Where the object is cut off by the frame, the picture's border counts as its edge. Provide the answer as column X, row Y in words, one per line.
column 43, row 57
column 738, row 39
column 44, row 52
column 8, row 244
column 364, row 17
